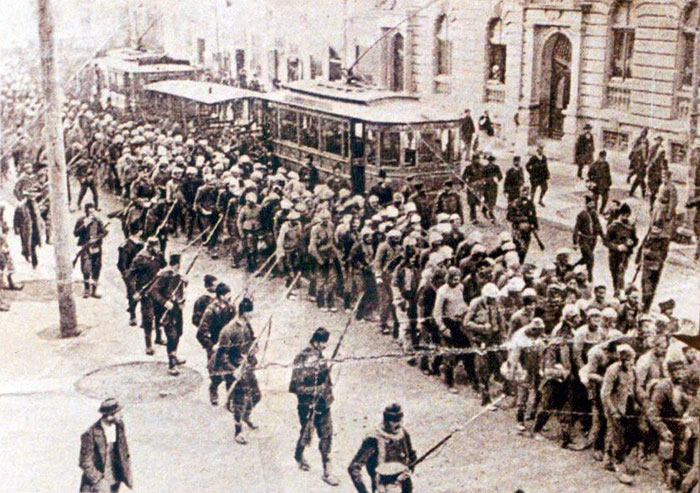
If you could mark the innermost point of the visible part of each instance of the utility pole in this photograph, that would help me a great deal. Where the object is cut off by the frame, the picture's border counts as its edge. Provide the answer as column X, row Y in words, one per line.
column 57, row 173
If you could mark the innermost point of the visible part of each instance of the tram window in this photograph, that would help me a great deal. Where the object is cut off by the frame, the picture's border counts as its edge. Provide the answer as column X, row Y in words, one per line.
column 428, row 148
column 390, row 149
column 309, row 131
column 371, row 146
column 408, row 141
column 288, row 125
column 332, row 137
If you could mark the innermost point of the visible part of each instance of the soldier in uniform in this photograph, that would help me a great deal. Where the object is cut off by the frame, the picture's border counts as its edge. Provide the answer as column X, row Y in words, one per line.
column 472, row 176
column 141, row 274
column 322, row 249
column 387, row 454
column 311, row 383
column 85, row 174
column 235, row 358
column 657, row 164
column 219, row 313
column 289, row 247
column 205, row 206
column 386, row 260
column 202, row 303
column 620, row 239
column 586, row 233
column 653, row 252
column 90, row 231
column 248, row 224
column 585, row 148
column 127, row 252
column 523, row 218
column 168, row 296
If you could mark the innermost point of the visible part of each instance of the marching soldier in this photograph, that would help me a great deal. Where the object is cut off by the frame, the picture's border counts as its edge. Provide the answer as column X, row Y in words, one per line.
column 586, row 233
column 217, row 315
column 205, row 203
column 168, row 295
column 127, row 252
column 203, row 302
column 248, row 224
column 235, row 359
column 90, row 231
column 620, row 239
column 85, row 174
column 141, row 274
column 311, row 382
column 523, row 218
column 176, row 199
column 388, row 455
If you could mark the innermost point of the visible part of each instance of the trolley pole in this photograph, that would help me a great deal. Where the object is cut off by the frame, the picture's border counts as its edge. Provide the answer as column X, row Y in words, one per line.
column 57, row 173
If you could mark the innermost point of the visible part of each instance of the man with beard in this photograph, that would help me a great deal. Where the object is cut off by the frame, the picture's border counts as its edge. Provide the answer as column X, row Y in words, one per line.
column 311, row 383
column 586, row 233
column 388, row 455
column 620, row 239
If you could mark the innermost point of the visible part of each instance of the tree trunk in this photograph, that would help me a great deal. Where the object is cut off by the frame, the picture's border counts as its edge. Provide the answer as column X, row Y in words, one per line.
column 60, row 229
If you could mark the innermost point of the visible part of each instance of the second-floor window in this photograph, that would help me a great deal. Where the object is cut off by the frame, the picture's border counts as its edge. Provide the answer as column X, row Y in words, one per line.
column 443, row 47
column 622, row 50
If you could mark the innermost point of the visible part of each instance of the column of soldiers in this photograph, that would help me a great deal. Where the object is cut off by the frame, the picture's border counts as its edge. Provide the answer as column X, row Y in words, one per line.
column 552, row 344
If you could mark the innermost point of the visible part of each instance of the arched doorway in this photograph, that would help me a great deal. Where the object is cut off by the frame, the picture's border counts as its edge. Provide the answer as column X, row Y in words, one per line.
column 556, row 85
column 396, row 67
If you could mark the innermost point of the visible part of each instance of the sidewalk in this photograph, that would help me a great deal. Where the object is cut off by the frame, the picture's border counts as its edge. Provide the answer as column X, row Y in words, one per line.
column 565, row 199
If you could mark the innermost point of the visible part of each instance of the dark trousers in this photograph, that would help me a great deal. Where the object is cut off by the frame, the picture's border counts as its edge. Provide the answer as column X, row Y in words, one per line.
column 452, row 360
column 534, row 185
column 321, row 420
column 603, row 195
column 618, row 266
column 587, row 257
column 639, row 181
column 556, row 398
column 131, row 303
column 650, row 280
column 91, row 265
column 84, row 186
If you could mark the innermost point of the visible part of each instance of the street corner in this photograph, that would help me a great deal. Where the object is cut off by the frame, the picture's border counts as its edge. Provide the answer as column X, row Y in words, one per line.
column 138, row 382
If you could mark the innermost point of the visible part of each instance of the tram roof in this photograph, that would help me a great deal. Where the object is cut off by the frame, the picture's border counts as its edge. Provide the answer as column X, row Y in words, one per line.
column 371, row 105
column 133, row 66
column 201, row 92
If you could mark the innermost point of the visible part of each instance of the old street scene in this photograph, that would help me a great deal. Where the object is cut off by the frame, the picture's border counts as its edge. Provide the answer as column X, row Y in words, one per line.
column 362, row 246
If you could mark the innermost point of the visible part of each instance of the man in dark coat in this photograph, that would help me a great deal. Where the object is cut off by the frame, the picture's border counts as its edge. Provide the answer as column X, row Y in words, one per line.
column 601, row 180
column 448, row 200
column 621, row 238
column 127, row 252
column 639, row 155
column 312, row 171
column 491, row 176
column 586, row 233
column 90, row 231
column 514, row 180
column 538, row 170
column 656, row 167
column 27, row 224
column 523, row 218
column 104, row 452
column 585, row 149
column 472, row 176
column 466, row 131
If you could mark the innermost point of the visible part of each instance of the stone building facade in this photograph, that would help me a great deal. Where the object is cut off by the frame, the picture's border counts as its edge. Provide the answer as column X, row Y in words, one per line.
column 543, row 68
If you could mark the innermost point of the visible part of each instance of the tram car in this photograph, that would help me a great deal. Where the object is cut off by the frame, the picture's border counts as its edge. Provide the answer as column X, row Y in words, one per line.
column 123, row 74
column 361, row 132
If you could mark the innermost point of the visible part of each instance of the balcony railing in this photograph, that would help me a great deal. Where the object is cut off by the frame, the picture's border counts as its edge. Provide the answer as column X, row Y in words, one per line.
column 618, row 98
column 495, row 92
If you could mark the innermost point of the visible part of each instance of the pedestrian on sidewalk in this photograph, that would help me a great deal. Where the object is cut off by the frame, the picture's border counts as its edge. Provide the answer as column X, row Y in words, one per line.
column 538, row 170
column 514, row 180
column 466, row 131
column 586, row 233
column 600, row 180
column 639, row 156
column 104, row 452
column 585, row 149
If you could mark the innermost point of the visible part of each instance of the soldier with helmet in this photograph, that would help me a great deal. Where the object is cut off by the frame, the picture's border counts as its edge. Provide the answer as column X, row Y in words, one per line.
column 388, row 456
column 289, row 246
column 322, row 249
column 175, row 199
column 248, row 224
column 205, row 206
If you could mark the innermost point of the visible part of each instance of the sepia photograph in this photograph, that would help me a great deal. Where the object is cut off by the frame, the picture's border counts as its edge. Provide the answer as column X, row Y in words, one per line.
column 362, row 246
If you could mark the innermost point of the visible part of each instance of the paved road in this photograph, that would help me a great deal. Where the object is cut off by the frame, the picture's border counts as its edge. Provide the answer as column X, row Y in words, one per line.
column 181, row 443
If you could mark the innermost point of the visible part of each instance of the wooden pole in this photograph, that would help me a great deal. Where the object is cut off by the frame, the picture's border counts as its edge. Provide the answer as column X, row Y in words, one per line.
column 57, row 173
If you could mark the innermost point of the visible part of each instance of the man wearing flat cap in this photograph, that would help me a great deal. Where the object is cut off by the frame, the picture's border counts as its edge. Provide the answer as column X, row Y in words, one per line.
column 387, row 453
column 104, row 453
